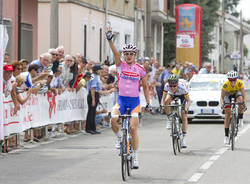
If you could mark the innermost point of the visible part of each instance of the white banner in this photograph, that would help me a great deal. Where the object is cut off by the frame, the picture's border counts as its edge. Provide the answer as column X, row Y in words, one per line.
column 41, row 110
column 184, row 41
column 3, row 44
column 107, row 101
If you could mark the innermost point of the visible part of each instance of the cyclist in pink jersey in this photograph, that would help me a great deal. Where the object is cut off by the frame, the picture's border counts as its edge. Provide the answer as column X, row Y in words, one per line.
column 130, row 74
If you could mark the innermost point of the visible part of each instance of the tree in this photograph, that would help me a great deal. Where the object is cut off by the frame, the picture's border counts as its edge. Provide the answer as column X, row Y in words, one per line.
column 230, row 7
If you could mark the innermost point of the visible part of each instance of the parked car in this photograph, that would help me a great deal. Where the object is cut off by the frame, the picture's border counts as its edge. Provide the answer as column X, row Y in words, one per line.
column 205, row 91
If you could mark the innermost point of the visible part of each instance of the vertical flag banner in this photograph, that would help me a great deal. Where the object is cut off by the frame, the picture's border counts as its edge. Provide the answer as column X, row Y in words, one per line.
column 188, row 34
column 3, row 44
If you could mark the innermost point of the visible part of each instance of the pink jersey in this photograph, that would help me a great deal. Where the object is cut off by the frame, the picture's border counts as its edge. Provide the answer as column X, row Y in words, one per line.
column 129, row 79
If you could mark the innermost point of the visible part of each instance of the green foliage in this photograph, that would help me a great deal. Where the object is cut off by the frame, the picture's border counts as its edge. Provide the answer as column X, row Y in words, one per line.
column 230, row 7
column 245, row 50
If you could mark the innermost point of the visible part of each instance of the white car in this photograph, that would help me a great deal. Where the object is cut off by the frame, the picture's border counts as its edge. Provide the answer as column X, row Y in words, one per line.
column 204, row 92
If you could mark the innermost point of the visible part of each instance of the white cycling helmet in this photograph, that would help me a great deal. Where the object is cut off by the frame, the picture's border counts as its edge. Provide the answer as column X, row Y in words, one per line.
column 232, row 75
column 129, row 48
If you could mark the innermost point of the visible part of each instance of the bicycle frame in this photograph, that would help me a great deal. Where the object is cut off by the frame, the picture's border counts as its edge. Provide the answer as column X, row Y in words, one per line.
column 125, row 146
column 176, row 127
column 233, row 121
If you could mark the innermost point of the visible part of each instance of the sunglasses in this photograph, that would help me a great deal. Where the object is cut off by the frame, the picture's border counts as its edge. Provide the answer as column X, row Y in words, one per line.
column 19, row 68
column 54, row 54
column 129, row 53
column 173, row 86
column 232, row 80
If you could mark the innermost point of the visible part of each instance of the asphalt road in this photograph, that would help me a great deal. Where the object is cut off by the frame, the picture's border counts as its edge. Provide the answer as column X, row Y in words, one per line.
column 85, row 158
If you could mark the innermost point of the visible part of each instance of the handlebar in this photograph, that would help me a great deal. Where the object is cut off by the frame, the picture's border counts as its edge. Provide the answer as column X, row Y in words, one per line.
column 123, row 116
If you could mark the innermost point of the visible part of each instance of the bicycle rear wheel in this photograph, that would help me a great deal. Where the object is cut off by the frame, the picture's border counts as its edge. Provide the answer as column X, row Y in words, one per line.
column 179, row 128
column 124, row 156
column 232, row 131
column 174, row 136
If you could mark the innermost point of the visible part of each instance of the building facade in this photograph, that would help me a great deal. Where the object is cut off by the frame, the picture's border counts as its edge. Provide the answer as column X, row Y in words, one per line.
column 28, row 28
column 82, row 25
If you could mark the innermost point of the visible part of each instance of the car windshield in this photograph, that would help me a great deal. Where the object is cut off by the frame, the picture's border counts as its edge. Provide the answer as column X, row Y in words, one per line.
column 205, row 85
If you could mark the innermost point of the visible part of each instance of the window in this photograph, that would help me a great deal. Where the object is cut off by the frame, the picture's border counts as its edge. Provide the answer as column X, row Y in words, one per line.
column 85, row 41
column 8, row 24
column 127, row 38
column 27, row 41
column 100, row 47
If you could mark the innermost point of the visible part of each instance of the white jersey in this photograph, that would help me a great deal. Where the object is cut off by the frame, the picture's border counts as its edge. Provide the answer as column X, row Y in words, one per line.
column 181, row 89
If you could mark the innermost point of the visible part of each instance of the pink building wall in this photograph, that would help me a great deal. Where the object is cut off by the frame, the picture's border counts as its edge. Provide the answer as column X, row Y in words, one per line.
column 29, row 15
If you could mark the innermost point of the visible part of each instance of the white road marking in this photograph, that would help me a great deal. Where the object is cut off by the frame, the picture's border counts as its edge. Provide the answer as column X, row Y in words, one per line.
column 214, row 157
column 221, row 151
column 206, row 165
column 195, row 177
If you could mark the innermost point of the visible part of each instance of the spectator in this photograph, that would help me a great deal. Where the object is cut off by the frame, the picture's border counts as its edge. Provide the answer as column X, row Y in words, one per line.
column 25, row 64
column 206, row 69
column 81, row 69
column 17, row 87
column 79, row 58
column 104, row 71
column 31, row 77
column 74, row 70
column 112, row 76
column 101, row 118
column 106, row 62
column 57, row 81
column 93, row 87
column 66, row 75
column 60, row 51
column 7, row 73
column 164, row 75
column 7, row 85
column 89, row 66
column 42, row 62
column 6, row 59
column 83, row 81
column 17, row 69
column 54, row 58
column 177, row 69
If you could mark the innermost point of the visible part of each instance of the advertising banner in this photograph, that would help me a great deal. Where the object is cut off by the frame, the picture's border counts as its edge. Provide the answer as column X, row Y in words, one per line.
column 3, row 44
column 41, row 110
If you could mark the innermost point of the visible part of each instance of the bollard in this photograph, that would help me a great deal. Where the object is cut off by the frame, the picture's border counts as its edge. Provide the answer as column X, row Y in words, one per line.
column 31, row 136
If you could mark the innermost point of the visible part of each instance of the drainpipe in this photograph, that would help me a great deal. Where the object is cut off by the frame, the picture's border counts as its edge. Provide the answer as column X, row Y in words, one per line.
column 105, row 50
column 19, row 29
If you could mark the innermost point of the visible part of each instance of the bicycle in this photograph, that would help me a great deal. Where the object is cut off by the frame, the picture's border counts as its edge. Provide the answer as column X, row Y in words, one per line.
column 234, row 122
column 125, row 145
column 176, row 125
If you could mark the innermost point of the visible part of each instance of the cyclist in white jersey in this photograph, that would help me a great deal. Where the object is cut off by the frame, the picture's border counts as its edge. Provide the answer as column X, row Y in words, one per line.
column 172, row 90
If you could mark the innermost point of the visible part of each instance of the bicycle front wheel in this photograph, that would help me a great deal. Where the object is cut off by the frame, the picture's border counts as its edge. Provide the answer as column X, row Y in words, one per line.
column 124, row 156
column 174, row 136
column 233, row 122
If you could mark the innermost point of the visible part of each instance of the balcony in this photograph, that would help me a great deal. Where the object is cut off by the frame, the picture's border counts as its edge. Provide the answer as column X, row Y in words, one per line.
column 159, row 11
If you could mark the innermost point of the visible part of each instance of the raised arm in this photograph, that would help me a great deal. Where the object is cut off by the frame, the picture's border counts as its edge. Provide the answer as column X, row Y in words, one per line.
column 117, row 55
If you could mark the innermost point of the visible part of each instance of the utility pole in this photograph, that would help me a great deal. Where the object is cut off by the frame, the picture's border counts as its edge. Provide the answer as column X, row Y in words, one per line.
column 241, row 44
column 53, row 23
column 222, row 38
column 148, row 28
